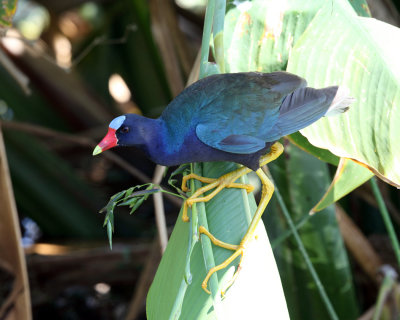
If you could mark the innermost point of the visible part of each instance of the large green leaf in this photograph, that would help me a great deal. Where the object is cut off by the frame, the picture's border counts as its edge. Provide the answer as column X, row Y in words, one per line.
column 259, row 35
column 361, row 54
column 302, row 180
column 176, row 291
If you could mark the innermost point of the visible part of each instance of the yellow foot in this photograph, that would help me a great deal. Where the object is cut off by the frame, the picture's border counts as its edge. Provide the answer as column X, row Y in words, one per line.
column 239, row 250
column 228, row 181
column 225, row 181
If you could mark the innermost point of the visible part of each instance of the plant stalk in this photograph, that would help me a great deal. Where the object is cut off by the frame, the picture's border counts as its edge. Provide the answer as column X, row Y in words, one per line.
column 386, row 219
column 314, row 275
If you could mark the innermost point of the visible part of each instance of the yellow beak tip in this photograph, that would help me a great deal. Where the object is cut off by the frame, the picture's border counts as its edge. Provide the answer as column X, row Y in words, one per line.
column 97, row 150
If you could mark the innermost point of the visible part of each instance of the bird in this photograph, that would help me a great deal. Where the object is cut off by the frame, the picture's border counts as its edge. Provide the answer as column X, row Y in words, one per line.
column 236, row 117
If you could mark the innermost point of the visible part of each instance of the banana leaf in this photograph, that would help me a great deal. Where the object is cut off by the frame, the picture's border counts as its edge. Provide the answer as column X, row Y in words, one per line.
column 355, row 52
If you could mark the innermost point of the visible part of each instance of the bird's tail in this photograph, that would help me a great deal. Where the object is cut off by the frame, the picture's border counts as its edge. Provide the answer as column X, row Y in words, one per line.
column 341, row 102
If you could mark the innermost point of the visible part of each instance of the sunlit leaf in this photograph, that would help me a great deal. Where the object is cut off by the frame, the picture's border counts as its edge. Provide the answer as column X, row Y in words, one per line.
column 259, row 35
column 325, row 155
column 186, row 298
column 361, row 7
column 359, row 53
column 349, row 176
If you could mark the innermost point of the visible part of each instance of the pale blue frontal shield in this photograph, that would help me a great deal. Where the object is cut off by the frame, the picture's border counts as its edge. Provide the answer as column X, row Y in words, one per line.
column 117, row 122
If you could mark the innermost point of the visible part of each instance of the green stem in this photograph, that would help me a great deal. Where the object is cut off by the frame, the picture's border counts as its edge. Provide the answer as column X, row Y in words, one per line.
column 199, row 208
column 173, row 194
column 205, row 42
column 386, row 219
column 218, row 33
column 306, row 258
column 208, row 253
column 386, row 288
column 288, row 233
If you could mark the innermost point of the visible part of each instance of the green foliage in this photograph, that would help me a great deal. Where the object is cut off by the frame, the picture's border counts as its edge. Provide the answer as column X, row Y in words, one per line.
column 176, row 290
column 267, row 33
column 181, row 170
column 349, row 176
column 7, row 11
column 325, row 155
column 258, row 37
column 53, row 195
column 354, row 52
column 302, row 180
column 126, row 198
column 133, row 54
column 49, row 191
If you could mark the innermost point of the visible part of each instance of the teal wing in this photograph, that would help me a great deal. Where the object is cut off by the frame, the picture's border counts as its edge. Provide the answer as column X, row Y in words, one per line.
column 239, row 111
column 301, row 108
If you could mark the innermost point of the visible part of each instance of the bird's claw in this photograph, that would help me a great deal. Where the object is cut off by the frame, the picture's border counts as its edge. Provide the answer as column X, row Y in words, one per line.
column 237, row 253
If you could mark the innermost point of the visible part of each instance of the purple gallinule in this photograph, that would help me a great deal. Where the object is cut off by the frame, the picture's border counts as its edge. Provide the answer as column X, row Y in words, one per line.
column 234, row 117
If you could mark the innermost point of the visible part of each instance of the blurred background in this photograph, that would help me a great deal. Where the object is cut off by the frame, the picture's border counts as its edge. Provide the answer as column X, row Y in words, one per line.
column 78, row 65
column 81, row 63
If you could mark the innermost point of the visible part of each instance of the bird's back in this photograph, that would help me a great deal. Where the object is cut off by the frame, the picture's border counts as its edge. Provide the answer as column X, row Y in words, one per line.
column 237, row 103
column 242, row 113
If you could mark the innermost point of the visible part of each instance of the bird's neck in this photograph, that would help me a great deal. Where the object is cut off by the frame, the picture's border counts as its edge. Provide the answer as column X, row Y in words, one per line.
column 151, row 133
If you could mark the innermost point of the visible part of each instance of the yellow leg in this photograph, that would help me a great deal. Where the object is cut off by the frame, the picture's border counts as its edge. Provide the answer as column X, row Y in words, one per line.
column 267, row 191
column 217, row 242
column 274, row 153
column 186, row 178
column 226, row 181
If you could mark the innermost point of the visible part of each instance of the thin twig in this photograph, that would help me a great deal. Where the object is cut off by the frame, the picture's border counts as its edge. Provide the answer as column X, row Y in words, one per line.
column 310, row 267
column 48, row 133
column 99, row 41
column 386, row 219
column 12, row 254
column 162, row 35
column 159, row 209
column 17, row 74
column 386, row 289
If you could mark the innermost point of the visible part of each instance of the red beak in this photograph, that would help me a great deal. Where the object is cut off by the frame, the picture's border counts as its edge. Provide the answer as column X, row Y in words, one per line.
column 108, row 142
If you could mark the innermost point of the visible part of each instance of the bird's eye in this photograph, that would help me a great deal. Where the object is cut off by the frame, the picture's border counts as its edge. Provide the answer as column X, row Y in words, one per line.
column 125, row 129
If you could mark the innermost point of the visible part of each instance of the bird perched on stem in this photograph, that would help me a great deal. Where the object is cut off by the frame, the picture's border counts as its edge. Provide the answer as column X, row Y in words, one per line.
column 235, row 117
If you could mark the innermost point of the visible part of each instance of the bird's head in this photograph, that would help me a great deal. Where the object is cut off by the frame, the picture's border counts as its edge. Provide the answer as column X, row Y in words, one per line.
column 122, row 131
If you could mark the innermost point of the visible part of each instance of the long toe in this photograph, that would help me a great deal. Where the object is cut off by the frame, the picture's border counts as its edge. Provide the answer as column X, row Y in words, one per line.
column 223, row 265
